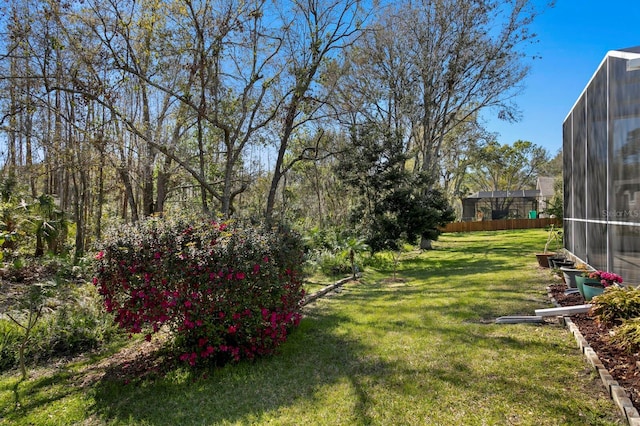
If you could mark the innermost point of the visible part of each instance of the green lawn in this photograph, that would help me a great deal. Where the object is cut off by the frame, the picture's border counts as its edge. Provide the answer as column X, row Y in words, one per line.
column 420, row 350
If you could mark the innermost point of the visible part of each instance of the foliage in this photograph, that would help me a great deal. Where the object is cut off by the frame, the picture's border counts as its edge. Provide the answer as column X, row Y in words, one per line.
column 29, row 311
column 616, row 304
column 9, row 338
column 79, row 324
column 627, row 335
column 507, row 167
column 49, row 225
column 74, row 322
column 394, row 204
column 329, row 262
column 334, row 251
column 29, row 224
column 143, row 133
column 556, row 205
column 226, row 291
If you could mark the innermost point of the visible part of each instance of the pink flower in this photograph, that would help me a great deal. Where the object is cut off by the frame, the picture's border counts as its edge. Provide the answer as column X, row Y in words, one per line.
column 256, row 268
column 232, row 329
column 240, row 275
column 100, row 255
column 606, row 278
column 191, row 358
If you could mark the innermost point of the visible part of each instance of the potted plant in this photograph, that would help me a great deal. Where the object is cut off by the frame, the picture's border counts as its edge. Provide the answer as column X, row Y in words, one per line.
column 601, row 281
column 571, row 273
column 555, row 235
column 583, row 278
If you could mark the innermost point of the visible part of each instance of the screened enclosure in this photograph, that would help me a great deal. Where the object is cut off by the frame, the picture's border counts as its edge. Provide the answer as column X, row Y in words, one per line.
column 495, row 205
column 601, row 162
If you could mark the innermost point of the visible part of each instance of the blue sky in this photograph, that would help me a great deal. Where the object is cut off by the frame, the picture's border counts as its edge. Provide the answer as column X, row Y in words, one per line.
column 574, row 37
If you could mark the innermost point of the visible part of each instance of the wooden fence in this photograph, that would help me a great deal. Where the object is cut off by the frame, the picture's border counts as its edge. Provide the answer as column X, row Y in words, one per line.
column 497, row 225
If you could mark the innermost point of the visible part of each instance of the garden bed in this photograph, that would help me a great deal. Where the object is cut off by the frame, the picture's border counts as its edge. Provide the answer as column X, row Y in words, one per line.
column 622, row 365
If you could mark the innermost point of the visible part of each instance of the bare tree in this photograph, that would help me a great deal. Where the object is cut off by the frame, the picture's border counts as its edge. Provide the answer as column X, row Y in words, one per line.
column 318, row 31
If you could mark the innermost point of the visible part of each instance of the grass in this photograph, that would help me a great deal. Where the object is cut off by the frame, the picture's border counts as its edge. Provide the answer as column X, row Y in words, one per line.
column 418, row 350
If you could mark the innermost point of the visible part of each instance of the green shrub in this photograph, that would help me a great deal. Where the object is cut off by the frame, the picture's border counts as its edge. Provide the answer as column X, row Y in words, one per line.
column 616, row 304
column 225, row 291
column 334, row 251
column 78, row 325
column 329, row 263
column 73, row 322
column 9, row 338
column 627, row 335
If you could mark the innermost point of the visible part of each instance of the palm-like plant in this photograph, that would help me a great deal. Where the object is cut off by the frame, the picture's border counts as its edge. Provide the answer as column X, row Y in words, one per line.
column 48, row 222
column 354, row 246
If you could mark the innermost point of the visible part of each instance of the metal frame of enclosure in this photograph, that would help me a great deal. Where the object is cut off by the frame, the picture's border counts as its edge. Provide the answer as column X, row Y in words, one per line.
column 601, row 162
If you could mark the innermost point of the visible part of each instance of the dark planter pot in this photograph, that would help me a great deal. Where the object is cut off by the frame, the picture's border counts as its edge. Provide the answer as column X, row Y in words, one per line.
column 554, row 259
column 543, row 259
column 591, row 291
column 570, row 275
column 581, row 280
column 564, row 263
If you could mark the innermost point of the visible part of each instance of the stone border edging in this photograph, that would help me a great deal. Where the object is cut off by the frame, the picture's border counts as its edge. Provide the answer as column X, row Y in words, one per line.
column 313, row 296
column 617, row 393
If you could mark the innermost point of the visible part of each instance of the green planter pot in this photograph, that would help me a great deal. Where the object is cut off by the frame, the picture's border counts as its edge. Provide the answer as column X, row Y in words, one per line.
column 591, row 291
column 580, row 280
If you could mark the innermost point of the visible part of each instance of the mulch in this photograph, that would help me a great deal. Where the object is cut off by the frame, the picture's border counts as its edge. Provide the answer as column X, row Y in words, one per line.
column 622, row 365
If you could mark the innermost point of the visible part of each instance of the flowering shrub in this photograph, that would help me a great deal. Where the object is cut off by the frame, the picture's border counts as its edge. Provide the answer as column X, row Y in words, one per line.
column 606, row 278
column 225, row 291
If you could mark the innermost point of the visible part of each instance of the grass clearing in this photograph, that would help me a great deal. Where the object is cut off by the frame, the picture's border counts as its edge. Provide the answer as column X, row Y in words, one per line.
column 418, row 350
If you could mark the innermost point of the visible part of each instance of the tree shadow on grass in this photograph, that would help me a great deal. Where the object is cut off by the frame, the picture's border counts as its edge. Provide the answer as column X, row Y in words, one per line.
column 508, row 377
column 315, row 356
column 34, row 393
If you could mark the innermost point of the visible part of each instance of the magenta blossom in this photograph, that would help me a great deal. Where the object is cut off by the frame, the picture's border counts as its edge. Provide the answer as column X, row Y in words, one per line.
column 606, row 278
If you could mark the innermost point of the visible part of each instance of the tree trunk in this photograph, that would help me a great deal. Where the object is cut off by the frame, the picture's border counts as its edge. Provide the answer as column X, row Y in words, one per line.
column 100, row 201
column 163, row 185
column 425, row 243
column 129, row 194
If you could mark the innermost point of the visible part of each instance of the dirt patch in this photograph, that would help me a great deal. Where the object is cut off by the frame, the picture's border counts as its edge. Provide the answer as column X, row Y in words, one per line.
column 139, row 360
